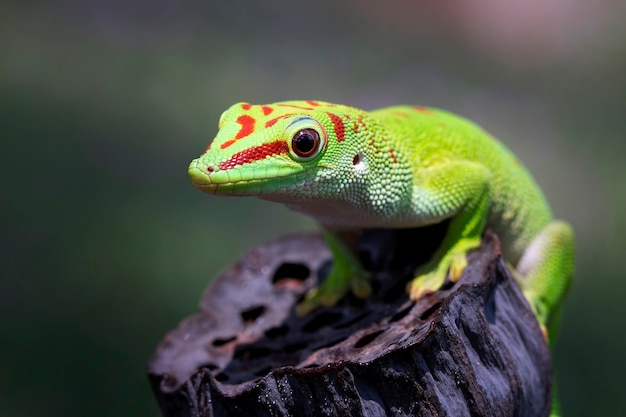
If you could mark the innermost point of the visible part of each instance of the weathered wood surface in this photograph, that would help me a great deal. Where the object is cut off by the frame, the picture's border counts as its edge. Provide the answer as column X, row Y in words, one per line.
column 470, row 349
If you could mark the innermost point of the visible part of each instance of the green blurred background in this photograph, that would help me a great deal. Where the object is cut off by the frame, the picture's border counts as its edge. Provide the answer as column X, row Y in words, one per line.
column 105, row 245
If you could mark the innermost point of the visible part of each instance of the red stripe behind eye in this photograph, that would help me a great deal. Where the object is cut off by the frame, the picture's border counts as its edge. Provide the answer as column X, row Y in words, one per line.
column 340, row 130
column 255, row 153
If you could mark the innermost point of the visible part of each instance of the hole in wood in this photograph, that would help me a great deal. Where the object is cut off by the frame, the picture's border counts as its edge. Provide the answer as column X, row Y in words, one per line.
column 251, row 314
column 169, row 382
column 222, row 342
column 290, row 271
column 275, row 332
column 252, row 353
column 401, row 314
column 367, row 339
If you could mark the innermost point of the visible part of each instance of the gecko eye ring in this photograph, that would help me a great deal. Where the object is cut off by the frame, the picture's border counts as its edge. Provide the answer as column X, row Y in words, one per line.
column 305, row 143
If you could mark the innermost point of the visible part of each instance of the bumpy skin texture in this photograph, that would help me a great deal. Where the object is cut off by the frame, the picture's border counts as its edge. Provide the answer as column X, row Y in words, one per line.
column 395, row 167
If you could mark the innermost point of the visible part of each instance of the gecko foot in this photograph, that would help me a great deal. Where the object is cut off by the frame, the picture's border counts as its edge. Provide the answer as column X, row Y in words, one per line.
column 424, row 284
column 336, row 286
column 431, row 277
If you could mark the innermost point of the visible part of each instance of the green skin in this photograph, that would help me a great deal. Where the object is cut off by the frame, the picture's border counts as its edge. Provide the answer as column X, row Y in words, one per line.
column 397, row 167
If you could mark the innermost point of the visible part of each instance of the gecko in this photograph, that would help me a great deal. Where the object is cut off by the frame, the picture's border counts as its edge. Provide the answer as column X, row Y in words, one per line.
column 395, row 167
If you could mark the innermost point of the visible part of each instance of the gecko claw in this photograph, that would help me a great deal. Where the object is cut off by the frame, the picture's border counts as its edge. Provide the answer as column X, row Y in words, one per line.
column 457, row 266
column 420, row 287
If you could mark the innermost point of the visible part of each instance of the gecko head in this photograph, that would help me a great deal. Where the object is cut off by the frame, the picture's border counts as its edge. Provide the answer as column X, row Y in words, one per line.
column 282, row 150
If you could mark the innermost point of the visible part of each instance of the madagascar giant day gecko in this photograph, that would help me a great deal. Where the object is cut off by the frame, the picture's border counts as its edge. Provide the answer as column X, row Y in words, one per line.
column 397, row 167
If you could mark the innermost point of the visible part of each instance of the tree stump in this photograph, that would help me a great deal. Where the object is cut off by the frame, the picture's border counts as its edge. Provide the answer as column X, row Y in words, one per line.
column 473, row 348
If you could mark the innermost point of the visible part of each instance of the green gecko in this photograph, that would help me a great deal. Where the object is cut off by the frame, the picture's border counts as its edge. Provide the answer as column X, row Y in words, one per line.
column 396, row 167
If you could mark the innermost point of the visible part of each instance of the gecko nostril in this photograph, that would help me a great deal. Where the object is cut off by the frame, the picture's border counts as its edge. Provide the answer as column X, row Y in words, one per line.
column 210, row 168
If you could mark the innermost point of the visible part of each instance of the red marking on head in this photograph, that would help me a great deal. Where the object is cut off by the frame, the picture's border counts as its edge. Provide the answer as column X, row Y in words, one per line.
column 295, row 107
column 227, row 143
column 355, row 127
column 246, row 106
column 312, row 103
column 267, row 110
column 208, row 147
column 255, row 153
column 401, row 114
column 393, row 157
column 273, row 121
column 361, row 121
column 423, row 110
column 340, row 130
column 247, row 127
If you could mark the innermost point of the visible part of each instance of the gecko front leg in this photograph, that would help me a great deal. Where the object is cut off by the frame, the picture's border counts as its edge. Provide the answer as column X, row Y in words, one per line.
column 346, row 273
column 459, row 190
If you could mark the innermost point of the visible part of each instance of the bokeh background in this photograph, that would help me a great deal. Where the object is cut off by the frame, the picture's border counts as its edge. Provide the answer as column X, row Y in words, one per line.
column 105, row 245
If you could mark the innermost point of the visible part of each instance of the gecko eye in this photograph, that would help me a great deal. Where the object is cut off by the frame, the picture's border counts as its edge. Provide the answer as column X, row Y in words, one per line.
column 305, row 143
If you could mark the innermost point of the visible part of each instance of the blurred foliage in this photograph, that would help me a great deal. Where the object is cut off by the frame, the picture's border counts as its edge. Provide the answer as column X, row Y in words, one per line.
column 106, row 245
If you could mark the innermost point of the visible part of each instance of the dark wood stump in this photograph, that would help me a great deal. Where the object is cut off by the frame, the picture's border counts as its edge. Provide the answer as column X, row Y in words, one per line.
column 471, row 349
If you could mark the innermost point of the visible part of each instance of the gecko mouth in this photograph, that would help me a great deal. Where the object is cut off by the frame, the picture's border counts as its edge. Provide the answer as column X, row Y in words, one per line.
column 244, row 182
